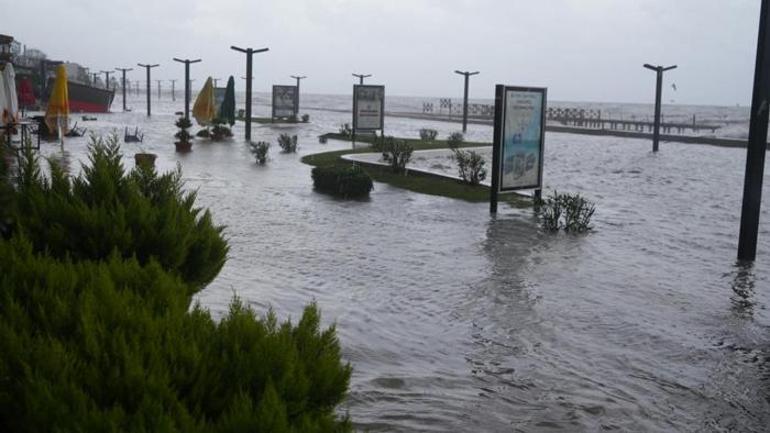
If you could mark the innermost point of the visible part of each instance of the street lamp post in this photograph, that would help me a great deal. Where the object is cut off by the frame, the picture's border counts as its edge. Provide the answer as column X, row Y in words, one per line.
column 465, row 98
column 149, row 84
column 249, row 54
column 659, row 70
column 361, row 77
column 757, row 146
column 296, row 102
column 187, row 63
column 107, row 79
column 123, row 83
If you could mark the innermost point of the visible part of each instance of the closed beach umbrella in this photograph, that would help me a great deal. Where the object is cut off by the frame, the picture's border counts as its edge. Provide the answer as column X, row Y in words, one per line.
column 57, row 114
column 11, row 111
column 227, row 110
column 204, row 109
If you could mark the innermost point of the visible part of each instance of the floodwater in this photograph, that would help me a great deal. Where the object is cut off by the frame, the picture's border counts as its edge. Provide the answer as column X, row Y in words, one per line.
column 457, row 321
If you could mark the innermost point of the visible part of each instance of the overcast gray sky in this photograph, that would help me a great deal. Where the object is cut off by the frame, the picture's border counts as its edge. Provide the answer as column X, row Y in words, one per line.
column 582, row 50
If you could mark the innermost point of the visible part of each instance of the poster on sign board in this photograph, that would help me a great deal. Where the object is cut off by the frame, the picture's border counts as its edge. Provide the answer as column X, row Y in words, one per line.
column 368, row 107
column 284, row 101
column 521, row 136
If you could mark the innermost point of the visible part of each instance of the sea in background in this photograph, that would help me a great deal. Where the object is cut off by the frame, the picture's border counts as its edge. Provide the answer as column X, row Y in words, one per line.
column 454, row 320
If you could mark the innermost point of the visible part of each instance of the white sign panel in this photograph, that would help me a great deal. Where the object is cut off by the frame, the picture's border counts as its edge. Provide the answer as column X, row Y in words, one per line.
column 284, row 101
column 521, row 150
column 368, row 107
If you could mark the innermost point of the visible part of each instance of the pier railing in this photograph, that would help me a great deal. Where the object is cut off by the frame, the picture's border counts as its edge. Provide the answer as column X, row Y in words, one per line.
column 573, row 118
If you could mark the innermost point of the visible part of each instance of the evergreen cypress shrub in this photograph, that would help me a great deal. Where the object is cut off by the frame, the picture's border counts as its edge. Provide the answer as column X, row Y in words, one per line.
column 106, row 209
column 100, row 337
column 344, row 181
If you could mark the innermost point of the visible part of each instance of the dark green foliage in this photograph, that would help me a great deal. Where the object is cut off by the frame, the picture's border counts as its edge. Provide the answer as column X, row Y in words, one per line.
column 455, row 140
column 471, row 166
column 6, row 191
column 96, row 328
column 259, row 150
column 305, row 118
column 182, row 135
column 344, row 181
column 105, row 209
column 570, row 212
column 220, row 131
column 288, row 143
column 428, row 135
column 111, row 346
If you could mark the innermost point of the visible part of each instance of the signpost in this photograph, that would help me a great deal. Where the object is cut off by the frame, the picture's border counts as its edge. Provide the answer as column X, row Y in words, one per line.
column 519, row 138
column 284, row 101
column 368, row 109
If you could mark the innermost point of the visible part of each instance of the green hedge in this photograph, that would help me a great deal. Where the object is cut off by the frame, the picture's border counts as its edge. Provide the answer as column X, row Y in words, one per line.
column 94, row 338
column 344, row 181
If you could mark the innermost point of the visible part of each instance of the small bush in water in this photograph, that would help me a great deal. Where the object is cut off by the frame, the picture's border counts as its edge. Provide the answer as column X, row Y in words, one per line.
column 288, row 143
column 305, row 118
column 394, row 151
column 428, row 135
column 471, row 166
column 570, row 212
column 455, row 140
column 259, row 150
column 345, row 130
column 344, row 181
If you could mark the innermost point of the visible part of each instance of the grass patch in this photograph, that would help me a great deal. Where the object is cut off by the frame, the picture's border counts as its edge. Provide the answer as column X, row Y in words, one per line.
column 267, row 121
column 414, row 181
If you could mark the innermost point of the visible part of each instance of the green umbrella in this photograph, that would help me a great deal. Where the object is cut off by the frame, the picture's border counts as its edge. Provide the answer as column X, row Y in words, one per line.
column 227, row 110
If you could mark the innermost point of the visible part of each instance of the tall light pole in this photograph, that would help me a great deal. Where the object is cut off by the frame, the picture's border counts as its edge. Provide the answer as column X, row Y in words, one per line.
column 757, row 146
column 361, row 77
column 296, row 102
column 173, row 91
column 659, row 70
column 158, row 81
column 123, row 83
column 107, row 79
column 149, row 84
column 187, row 63
column 249, row 54
column 465, row 98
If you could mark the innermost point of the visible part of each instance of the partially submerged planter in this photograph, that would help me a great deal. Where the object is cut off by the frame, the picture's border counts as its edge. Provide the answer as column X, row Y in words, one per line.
column 183, row 146
column 145, row 159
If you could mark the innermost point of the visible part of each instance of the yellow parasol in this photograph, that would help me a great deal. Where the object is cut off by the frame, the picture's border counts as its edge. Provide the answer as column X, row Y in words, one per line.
column 204, row 110
column 57, row 114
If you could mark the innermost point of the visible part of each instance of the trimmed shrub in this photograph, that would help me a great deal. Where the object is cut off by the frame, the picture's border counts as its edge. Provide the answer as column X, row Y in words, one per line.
column 305, row 118
column 259, row 150
column 344, row 181
column 428, row 135
column 288, row 143
column 570, row 212
column 471, row 166
column 455, row 140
